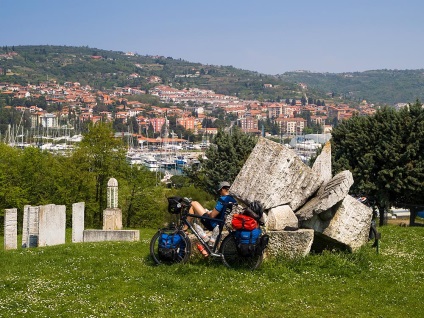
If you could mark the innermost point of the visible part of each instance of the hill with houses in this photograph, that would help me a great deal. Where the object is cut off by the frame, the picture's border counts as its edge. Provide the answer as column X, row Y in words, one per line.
column 61, row 87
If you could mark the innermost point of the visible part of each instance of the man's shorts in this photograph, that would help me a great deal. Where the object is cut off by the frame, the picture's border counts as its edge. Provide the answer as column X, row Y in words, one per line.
column 208, row 224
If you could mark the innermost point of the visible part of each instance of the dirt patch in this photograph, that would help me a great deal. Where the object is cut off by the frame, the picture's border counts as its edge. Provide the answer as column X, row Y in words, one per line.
column 405, row 221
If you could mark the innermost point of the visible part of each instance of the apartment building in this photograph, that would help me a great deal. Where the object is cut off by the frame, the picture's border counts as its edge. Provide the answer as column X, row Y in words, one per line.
column 248, row 123
column 291, row 126
column 157, row 123
column 188, row 123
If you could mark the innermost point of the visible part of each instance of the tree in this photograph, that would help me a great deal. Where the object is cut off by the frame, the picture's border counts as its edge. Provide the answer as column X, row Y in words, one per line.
column 11, row 191
column 225, row 158
column 142, row 202
column 384, row 152
column 269, row 126
column 100, row 156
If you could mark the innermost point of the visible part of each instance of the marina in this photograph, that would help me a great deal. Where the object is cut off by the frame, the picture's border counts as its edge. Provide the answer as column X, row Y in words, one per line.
column 167, row 163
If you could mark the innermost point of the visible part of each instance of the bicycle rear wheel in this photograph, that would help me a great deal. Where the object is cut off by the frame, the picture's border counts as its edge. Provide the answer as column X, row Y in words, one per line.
column 180, row 254
column 232, row 258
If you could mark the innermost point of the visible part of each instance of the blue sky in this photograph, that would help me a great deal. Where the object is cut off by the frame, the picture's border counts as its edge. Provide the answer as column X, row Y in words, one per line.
column 267, row 36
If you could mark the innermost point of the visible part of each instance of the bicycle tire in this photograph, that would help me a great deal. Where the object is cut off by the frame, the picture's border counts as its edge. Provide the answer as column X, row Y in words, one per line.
column 232, row 259
column 183, row 254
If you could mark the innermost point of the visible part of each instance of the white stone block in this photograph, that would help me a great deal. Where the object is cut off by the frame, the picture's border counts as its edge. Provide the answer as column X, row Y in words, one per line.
column 282, row 218
column 78, row 222
column 274, row 175
column 52, row 225
column 11, row 229
column 349, row 226
column 290, row 244
column 327, row 196
column 322, row 164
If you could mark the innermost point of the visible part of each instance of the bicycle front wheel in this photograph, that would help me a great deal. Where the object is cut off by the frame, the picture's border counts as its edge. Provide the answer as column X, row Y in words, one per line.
column 232, row 258
column 161, row 254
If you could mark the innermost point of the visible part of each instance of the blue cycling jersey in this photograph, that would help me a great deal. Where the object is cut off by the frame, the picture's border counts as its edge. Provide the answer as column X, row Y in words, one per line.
column 222, row 203
column 220, row 207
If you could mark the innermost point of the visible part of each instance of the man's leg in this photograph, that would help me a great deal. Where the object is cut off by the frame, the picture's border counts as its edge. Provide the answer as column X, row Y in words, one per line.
column 197, row 209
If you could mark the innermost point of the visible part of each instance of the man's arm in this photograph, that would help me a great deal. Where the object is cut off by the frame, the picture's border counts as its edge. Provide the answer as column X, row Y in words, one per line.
column 213, row 214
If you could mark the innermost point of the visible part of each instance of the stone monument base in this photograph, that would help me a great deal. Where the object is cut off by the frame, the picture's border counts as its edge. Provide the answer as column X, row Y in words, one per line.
column 112, row 219
column 119, row 235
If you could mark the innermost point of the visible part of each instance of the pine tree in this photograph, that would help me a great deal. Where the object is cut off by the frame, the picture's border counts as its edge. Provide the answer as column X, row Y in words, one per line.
column 384, row 152
column 225, row 158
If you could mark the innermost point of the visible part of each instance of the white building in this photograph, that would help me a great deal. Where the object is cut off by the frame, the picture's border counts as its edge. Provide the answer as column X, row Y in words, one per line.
column 48, row 120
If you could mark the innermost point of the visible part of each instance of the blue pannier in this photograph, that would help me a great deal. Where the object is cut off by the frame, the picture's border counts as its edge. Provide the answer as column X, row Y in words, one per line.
column 171, row 246
column 247, row 241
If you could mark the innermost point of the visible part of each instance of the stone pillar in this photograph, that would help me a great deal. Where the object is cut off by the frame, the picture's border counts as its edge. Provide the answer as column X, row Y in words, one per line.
column 78, row 222
column 32, row 238
column 52, row 225
column 25, row 226
column 112, row 219
column 112, row 193
column 11, row 229
column 112, row 216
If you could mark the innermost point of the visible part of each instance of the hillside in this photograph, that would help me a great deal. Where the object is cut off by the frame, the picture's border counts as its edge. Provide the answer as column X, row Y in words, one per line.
column 107, row 69
column 104, row 70
column 378, row 86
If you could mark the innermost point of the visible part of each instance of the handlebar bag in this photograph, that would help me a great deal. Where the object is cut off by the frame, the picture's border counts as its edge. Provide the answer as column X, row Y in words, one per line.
column 174, row 205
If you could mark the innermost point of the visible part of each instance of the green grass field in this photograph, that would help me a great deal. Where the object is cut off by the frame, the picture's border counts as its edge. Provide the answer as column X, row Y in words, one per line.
column 118, row 279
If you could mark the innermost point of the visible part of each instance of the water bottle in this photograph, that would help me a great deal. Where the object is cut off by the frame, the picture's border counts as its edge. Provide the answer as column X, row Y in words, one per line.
column 202, row 250
column 214, row 236
column 201, row 233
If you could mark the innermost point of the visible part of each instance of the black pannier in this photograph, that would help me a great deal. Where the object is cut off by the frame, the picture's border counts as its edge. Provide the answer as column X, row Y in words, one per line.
column 174, row 205
column 254, row 210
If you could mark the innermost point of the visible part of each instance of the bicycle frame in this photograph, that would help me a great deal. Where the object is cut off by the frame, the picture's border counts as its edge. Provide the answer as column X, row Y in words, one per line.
column 228, row 248
column 221, row 224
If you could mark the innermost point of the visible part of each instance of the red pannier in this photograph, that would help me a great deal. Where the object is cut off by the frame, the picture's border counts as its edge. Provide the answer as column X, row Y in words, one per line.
column 243, row 222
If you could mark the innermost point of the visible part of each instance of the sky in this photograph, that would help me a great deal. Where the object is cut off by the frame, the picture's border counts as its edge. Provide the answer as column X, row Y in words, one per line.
column 267, row 36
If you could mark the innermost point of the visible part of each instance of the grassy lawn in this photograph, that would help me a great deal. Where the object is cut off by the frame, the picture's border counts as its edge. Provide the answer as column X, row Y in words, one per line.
column 118, row 279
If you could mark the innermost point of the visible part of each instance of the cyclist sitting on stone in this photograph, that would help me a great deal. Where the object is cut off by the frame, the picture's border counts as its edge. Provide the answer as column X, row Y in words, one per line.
column 219, row 210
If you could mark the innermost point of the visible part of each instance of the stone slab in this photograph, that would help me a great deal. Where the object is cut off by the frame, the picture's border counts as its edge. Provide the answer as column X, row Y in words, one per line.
column 78, row 222
column 10, row 229
column 289, row 244
column 322, row 164
column 25, row 226
column 327, row 196
column 119, row 235
column 282, row 218
column 349, row 227
column 274, row 175
column 33, row 229
column 52, row 225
